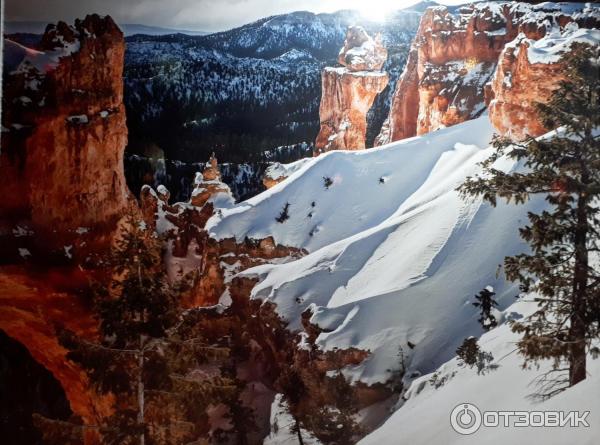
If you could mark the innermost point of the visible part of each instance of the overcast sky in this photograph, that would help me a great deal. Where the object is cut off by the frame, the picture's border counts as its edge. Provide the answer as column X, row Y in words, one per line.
column 205, row 15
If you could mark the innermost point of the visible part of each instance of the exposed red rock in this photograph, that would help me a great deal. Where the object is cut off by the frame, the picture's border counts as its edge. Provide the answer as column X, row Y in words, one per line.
column 451, row 59
column 517, row 86
column 32, row 307
column 361, row 52
column 64, row 133
column 348, row 92
column 272, row 182
column 454, row 56
column 64, row 190
column 208, row 184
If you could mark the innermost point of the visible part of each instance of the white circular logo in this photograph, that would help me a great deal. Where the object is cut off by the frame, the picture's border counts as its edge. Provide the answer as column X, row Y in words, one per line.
column 465, row 418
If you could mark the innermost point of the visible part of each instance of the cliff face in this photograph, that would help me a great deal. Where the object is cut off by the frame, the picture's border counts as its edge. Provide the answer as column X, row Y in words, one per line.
column 451, row 59
column 64, row 132
column 348, row 92
column 63, row 190
column 528, row 72
column 455, row 55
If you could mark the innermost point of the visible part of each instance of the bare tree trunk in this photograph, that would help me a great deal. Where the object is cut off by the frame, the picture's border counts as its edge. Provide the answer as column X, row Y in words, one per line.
column 140, row 391
column 298, row 432
column 577, row 329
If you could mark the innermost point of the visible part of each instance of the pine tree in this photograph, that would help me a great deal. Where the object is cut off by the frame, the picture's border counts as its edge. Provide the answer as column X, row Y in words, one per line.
column 284, row 215
column 467, row 351
column 148, row 349
column 485, row 302
column 294, row 390
column 470, row 354
column 565, row 169
column 334, row 421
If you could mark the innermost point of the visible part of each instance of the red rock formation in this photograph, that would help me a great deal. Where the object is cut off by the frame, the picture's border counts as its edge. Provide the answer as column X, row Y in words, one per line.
column 64, row 133
column 348, row 92
column 32, row 306
column 63, row 188
column 452, row 58
column 272, row 182
column 360, row 52
column 208, row 184
column 517, row 86
column 528, row 72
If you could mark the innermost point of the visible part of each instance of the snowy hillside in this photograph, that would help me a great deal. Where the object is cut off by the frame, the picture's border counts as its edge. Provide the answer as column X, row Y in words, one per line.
column 425, row 417
column 387, row 240
column 395, row 258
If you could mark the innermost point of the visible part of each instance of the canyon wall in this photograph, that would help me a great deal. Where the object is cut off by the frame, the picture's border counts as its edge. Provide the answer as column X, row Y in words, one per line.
column 64, row 133
column 458, row 64
column 348, row 92
column 63, row 190
column 528, row 72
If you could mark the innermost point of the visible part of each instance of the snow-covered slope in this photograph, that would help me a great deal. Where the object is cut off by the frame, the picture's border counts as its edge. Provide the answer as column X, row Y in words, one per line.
column 425, row 417
column 392, row 261
column 395, row 265
column 367, row 188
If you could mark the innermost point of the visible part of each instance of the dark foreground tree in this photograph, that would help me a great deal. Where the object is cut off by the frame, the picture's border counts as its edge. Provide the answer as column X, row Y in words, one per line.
column 147, row 351
column 294, row 391
column 565, row 169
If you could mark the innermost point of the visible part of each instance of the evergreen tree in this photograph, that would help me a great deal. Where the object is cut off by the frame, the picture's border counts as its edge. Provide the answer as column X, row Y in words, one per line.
column 284, row 215
column 334, row 421
column 148, row 350
column 485, row 302
column 565, row 169
column 470, row 354
column 294, row 391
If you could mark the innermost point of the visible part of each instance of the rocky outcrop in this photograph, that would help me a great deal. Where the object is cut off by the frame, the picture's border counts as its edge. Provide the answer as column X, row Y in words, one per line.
column 528, row 72
column 209, row 185
column 454, row 56
column 360, row 52
column 277, row 172
column 348, row 92
column 63, row 192
column 451, row 59
column 64, row 133
column 32, row 308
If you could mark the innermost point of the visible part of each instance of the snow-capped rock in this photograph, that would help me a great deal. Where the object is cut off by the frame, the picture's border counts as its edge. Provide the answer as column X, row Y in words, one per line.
column 455, row 54
column 348, row 92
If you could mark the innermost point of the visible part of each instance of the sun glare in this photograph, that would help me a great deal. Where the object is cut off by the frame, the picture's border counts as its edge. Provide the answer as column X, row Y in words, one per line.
column 378, row 10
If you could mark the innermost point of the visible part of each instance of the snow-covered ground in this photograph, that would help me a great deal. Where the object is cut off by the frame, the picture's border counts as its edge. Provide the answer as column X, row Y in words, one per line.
column 395, row 255
column 395, row 258
column 425, row 417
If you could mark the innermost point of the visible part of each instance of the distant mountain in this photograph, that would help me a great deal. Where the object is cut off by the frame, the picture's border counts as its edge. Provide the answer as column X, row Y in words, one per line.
column 239, row 92
column 18, row 27
column 319, row 34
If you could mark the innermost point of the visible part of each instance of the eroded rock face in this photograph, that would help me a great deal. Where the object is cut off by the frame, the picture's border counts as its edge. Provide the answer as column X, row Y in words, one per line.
column 451, row 59
column 348, row 92
column 528, row 72
column 32, row 307
column 454, row 56
column 361, row 52
column 64, row 133
column 63, row 189
column 208, row 184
